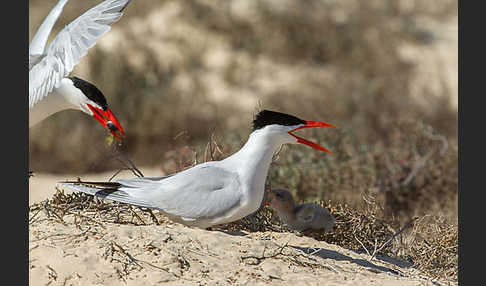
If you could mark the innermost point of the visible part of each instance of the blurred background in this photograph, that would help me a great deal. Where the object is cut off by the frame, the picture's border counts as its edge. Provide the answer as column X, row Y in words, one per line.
column 181, row 74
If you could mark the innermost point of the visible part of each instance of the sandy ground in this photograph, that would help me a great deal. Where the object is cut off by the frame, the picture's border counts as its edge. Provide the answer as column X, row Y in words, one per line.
column 68, row 252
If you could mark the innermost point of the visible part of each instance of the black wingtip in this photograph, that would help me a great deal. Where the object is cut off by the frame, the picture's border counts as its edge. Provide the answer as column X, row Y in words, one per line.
column 111, row 185
column 123, row 8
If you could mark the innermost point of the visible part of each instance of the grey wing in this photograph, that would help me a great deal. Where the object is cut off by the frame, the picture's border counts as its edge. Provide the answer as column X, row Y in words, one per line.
column 70, row 45
column 204, row 191
column 39, row 40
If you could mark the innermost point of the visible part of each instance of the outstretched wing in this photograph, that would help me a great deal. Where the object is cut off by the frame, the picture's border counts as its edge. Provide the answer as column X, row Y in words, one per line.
column 202, row 192
column 36, row 47
column 69, row 46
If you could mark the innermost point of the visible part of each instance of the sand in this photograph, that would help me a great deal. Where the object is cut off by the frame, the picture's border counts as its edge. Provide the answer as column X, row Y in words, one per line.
column 71, row 253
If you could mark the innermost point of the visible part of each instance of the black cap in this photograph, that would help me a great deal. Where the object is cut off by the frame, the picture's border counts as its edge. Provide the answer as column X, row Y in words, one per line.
column 90, row 91
column 267, row 117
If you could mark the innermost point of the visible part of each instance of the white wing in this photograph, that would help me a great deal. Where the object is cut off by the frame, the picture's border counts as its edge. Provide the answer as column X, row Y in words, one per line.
column 34, row 59
column 39, row 41
column 202, row 192
column 70, row 45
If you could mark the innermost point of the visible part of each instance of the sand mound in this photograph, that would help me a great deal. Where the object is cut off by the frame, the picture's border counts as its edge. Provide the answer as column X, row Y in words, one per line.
column 70, row 254
column 78, row 240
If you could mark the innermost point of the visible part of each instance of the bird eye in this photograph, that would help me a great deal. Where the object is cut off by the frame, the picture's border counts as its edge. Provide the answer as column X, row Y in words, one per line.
column 111, row 126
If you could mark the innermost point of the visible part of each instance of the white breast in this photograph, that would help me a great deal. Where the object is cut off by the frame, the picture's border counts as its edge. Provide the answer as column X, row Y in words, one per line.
column 66, row 96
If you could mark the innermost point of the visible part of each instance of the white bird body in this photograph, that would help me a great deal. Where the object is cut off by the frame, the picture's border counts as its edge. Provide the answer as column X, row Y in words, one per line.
column 50, row 88
column 66, row 96
column 210, row 193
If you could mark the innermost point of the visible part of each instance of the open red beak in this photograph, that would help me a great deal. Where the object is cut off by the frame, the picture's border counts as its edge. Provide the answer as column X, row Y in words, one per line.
column 309, row 143
column 108, row 119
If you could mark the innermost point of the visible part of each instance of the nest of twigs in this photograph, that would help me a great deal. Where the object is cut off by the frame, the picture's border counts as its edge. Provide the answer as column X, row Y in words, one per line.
column 87, row 209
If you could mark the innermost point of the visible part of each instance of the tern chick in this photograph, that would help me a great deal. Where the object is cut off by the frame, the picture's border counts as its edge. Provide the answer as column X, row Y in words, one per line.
column 300, row 217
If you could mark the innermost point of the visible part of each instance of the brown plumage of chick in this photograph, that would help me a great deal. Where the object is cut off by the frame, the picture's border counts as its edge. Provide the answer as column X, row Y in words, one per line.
column 300, row 217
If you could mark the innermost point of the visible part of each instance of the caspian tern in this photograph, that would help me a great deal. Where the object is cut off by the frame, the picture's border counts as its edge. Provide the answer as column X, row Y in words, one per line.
column 214, row 192
column 50, row 88
column 300, row 217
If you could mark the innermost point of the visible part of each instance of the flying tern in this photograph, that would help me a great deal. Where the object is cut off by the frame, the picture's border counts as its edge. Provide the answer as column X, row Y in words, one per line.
column 214, row 192
column 50, row 88
column 300, row 217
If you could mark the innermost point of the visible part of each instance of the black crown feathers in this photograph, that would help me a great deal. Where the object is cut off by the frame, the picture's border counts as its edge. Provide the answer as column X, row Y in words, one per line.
column 268, row 117
column 90, row 91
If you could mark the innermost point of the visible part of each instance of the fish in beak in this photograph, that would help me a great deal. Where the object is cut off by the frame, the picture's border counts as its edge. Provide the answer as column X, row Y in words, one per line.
column 108, row 120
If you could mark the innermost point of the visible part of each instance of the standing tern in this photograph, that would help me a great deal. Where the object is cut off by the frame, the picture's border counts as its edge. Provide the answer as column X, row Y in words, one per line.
column 300, row 217
column 214, row 192
column 50, row 88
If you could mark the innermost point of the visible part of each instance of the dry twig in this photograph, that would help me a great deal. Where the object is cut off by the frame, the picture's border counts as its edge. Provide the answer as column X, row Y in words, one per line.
column 263, row 257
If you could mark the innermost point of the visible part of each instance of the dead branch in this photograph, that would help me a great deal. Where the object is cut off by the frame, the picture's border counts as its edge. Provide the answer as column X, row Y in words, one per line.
column 375, row 252
column 418, row 166
column 136, row 215
column 49, row 211
column 32, row 217
column 154, row 218
column 263, row 257
column 123, row 158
